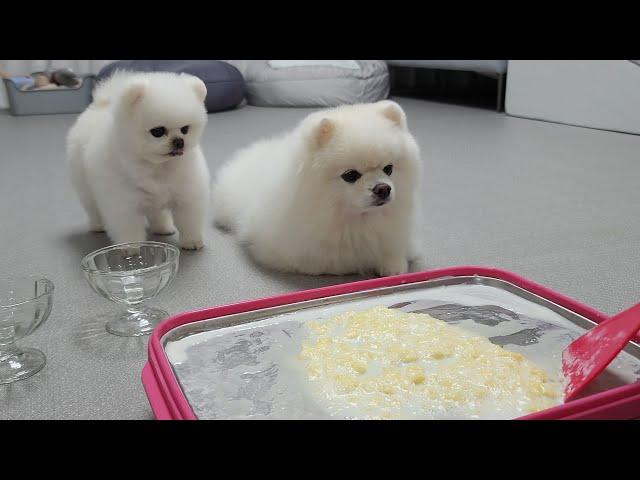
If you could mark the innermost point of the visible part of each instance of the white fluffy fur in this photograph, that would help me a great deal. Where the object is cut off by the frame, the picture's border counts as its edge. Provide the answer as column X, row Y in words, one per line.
column 123, row 174
column 286, row 200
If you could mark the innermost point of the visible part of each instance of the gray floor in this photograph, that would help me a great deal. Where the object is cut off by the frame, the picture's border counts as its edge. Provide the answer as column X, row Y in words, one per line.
column 554, row 203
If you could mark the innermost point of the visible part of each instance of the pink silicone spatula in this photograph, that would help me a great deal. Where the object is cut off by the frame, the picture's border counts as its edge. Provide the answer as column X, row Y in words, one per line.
column 589, row 354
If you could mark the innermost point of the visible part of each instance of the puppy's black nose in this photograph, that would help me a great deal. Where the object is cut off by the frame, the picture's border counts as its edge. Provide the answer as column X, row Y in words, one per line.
column 178, row 143
column 382, row 191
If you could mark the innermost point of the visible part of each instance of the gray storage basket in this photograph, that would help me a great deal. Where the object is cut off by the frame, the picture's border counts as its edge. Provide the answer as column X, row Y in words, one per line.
column 42, row 102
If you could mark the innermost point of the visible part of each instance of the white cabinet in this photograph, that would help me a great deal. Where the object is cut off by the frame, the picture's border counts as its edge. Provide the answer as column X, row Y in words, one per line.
column 603, row 94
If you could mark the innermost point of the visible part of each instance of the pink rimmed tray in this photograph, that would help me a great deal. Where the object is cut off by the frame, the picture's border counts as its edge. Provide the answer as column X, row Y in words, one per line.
column 514, row 312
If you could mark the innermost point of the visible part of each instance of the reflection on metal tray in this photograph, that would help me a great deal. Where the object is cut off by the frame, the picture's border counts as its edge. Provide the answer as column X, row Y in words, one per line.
column 242, row 365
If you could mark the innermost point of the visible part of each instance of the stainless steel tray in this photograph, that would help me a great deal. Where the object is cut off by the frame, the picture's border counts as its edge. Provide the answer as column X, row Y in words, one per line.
column 243, row 365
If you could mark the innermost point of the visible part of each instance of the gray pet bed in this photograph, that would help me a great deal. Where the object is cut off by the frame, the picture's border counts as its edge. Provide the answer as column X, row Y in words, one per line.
column 271, row 83
column 225, row 84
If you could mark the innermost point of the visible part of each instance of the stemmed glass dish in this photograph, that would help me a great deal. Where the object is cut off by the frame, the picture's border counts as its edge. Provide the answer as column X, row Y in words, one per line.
column 129, row 274
column 25, row 304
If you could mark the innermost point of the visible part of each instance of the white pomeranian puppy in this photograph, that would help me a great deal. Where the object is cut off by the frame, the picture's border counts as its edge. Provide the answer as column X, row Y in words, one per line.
column 135, row 153
column 337, row 195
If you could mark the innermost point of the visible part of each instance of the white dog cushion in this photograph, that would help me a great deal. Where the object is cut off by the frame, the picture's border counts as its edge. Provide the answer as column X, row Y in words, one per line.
column 314, row 83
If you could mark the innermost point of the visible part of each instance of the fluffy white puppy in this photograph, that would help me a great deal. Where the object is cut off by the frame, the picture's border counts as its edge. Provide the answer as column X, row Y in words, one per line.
column 135, row 153
column 336, row 195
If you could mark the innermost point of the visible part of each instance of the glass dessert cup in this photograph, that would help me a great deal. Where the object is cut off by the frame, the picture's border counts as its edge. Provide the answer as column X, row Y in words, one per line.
column 129, row 274
column 25, row 304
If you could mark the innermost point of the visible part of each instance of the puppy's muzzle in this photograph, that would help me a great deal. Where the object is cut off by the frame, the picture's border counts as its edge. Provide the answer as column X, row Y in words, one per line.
column 177, row 147
column 381, row 194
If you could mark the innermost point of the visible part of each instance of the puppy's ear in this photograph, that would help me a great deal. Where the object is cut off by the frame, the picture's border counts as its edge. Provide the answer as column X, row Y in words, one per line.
column 134, row 93
column 198, row 86
column 322, row 132
column 393, row 112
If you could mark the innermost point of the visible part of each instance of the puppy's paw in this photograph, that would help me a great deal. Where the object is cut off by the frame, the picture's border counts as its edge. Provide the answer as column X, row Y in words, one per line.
column 161, row 223
column 418, row 263
column 393, row 267
column 415, row 254
column 163, row 230
column 191, row 244
column 96, row 227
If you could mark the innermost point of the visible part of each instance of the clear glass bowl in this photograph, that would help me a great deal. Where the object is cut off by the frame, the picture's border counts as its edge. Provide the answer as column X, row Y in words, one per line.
column 25, row 304
column 129, row 274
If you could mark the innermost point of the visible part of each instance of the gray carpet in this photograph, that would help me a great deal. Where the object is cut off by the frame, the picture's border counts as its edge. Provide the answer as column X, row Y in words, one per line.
column 554, row 203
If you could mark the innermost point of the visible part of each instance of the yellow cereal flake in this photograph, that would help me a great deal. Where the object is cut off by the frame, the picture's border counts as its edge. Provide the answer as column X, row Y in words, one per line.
column 415, row 374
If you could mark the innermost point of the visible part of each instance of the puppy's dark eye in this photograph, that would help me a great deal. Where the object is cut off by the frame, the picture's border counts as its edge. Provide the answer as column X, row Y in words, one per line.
column 185, row 129
column 388, row 169
column 351, row 176
column 158, row 131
